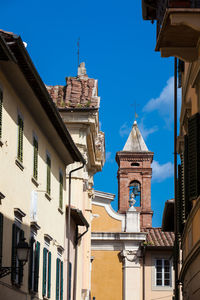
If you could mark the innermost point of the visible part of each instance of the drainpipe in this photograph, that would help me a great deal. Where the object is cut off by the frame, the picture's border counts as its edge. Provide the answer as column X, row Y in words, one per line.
column 143, row 271
column 69, row 225
column 76, row 256
column 176, row 243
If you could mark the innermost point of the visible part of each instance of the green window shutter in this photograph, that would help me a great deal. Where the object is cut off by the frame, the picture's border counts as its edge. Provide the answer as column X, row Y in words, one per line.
column 13, row 258
column 37, row 264
column 30, row 269
column 20, row 138
column 49, row 276
column 1, row 238
column 70, row 279
column 188, row 203
column 48, row 174
column 179, row 202
column 44, row 283
column 61, row 281
column 57, row 278
column 194, row 156
column 21, row 269
column 1, row 111
column 61, row 190
column 35, row 158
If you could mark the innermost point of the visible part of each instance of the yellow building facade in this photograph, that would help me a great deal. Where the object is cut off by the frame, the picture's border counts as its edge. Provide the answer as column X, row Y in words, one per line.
column 130, row 258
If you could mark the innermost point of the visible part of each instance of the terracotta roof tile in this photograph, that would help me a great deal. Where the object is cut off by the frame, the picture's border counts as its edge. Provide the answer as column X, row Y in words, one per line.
column 158, row 238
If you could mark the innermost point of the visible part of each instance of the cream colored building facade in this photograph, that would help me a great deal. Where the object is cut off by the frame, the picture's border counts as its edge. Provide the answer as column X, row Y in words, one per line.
column 35, row 149
column 78, row 103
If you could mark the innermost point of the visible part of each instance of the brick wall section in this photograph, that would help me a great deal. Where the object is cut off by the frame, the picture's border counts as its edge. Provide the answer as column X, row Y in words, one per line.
column 142, row 173
column 77, row 93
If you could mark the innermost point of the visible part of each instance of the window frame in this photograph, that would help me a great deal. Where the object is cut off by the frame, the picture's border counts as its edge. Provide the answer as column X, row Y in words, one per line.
column 35, row 157
column 154, row 273
column 20, row 127
column 48, row 173
column 61, row 189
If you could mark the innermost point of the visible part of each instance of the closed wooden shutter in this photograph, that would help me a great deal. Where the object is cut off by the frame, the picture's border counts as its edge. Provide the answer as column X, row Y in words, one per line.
column 48, row 174
column 35, row 158
column 49, row 275
column 30, row 270
column 13, row 258
column 61, row 281
column 37, row 264
column 61, row 190
column 179, row 203
column 20, row 138
column 21, row 269
column 1, row 238
column 57, row 278
column 44, row 284
column 70, row 280
column 194, row 156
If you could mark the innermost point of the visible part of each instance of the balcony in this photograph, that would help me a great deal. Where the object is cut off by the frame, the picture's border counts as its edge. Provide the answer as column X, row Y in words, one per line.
column 178, row 26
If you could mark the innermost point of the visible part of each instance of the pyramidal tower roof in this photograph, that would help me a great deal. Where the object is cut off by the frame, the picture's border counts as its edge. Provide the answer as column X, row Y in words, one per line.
column 135, row 141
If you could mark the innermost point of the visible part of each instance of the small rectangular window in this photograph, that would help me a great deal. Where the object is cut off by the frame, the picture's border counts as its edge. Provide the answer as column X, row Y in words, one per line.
column 163, row 272
column 61, row 189
column 35, row 158
column 48, row 161
column 1, row 111
column 20, row 138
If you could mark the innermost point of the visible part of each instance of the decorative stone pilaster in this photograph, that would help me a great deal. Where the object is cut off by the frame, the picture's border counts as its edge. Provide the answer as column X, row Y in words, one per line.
column 131, row 274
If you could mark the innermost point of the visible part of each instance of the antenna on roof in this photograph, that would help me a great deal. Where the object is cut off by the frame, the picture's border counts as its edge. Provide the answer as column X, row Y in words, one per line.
column 78, row 45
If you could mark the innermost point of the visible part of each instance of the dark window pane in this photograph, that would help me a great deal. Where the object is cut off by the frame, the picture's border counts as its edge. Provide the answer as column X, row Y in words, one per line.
column 159, row 282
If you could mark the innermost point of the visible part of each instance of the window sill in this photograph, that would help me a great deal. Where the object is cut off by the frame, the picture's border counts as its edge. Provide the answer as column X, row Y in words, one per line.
column 60, row 210
column 34, row 181
column 47, row 196
column 19, row 164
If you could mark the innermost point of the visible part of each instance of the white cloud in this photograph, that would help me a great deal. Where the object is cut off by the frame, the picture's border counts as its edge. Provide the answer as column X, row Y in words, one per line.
column 146, row 131
column 165, row 102
column 162, row 172
column 109, row 157
column 124, row 130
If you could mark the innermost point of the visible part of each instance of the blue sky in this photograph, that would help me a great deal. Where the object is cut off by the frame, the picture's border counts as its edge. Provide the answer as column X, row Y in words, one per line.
column 118, row 49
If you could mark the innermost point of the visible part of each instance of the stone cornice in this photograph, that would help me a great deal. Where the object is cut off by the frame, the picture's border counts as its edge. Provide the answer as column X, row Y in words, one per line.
column 134, row 156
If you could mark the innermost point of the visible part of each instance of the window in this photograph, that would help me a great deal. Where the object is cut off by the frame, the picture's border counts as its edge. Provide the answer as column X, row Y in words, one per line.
column 20, row 138
column 17, row 266
column 34, row 262
column 35, row 157
column 48, row 161
column 61, row 189
column 46, row 287
column 135, row 188
column 1, row 111
column 59, row 280
column 162, row 272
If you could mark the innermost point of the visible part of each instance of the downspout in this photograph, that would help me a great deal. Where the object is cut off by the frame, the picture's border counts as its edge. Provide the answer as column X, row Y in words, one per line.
column 76, row 256
column 143, row 271
column 69, row 225
column 176, row 243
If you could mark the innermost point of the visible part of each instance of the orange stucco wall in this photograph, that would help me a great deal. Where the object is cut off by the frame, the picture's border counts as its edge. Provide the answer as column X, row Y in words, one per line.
column 104, row 223
column 106, row 275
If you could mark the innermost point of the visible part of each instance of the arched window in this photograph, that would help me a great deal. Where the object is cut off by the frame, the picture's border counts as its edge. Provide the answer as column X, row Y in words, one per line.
column 135, row 188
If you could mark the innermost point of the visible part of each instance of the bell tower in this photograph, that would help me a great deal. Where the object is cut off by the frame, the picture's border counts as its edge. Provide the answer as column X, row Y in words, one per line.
column 134, row 176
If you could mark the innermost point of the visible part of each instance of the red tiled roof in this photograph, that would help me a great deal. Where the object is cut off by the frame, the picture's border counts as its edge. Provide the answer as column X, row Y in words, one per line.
column 158, row 238
column 77, row 93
